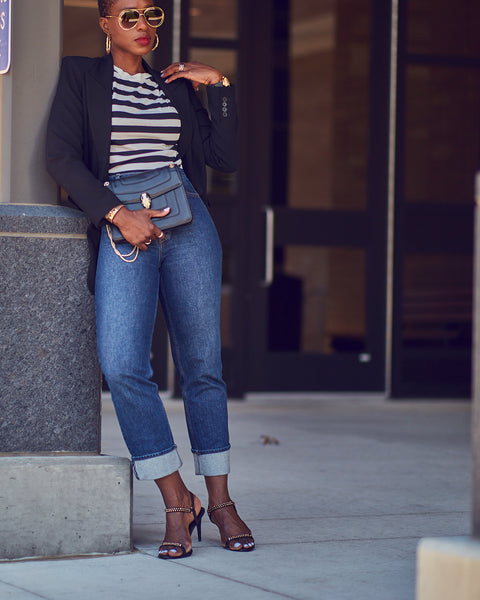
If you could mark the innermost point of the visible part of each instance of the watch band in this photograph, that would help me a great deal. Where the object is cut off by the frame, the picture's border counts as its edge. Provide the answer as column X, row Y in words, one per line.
column 111, row 213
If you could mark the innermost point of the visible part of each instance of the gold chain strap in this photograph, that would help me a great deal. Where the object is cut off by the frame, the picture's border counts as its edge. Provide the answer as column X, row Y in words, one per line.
column 117, row 252
column 219, row 506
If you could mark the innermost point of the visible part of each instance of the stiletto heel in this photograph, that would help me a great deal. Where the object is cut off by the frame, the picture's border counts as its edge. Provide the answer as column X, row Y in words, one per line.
column 245, row 536
column 197, row 522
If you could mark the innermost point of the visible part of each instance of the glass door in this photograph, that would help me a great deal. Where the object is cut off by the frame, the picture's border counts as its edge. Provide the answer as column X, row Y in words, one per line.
column 210, row 34
column 438, row 153
column 303, row 221
column 317, row 297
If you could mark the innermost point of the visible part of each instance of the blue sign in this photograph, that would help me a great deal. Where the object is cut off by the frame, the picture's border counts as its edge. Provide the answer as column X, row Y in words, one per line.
column 5, row 37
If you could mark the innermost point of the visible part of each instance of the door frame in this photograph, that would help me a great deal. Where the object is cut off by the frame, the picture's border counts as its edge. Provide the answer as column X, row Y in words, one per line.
column 258, row 79
column 424, row 229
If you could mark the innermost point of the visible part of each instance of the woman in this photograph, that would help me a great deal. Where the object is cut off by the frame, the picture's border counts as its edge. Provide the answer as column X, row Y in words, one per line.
column 112, row 116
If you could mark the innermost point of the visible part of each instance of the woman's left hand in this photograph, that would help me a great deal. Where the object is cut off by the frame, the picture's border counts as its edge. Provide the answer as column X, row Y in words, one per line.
column 197, row 72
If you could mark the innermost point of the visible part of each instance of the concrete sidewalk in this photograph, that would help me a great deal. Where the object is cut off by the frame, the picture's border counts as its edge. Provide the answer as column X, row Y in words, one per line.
column 337, row 507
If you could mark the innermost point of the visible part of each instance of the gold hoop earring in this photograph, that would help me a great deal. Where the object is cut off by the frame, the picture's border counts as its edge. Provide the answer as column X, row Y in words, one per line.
column 108, row 44
column 157, row 41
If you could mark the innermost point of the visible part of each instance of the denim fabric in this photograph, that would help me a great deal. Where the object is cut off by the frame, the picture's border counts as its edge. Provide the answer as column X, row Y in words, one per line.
column 183, row 271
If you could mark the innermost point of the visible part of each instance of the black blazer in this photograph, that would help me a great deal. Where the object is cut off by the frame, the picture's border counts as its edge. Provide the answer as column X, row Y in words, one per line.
column 79, row 129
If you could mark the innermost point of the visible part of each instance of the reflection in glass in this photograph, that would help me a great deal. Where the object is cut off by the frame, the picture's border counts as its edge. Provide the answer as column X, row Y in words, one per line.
column 442, row 127
column 216, row 19
column 317, row 300
column 226, row 316
column 81, row 34
column 327, row 112
column 444, row 27
column 437, row 301
column 221, row 183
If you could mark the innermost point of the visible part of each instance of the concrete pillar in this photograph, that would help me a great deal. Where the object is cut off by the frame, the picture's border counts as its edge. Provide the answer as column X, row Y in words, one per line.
column 49, row 374
column 58, row 495
column 449, row 568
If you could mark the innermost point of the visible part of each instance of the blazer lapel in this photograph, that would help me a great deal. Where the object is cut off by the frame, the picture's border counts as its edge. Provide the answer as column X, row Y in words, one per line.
column 99, row 102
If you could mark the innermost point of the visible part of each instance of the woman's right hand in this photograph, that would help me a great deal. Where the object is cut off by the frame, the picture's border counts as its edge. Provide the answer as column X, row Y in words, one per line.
column 137, row 226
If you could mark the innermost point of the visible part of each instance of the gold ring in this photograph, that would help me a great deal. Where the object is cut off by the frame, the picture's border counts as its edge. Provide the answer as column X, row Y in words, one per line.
column 181, row 66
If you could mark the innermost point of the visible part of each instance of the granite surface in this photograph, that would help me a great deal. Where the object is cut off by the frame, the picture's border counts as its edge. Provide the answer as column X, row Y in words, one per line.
column 49, row 374
column 38, row 218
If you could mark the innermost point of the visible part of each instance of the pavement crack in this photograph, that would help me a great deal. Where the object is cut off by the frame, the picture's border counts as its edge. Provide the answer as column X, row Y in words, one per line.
column 22, row 589
column 359, row 539
column 367, row 516
column 239, row 581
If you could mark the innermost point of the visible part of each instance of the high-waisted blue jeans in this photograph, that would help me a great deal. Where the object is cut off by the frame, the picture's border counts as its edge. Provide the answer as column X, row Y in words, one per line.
column 183, row 271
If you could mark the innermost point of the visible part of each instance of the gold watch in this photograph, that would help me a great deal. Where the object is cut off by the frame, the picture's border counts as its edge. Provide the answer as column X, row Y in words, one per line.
column 111, row 213
column 223, row 82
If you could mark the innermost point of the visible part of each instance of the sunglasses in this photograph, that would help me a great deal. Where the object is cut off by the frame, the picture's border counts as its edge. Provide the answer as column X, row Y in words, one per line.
column 128, row 19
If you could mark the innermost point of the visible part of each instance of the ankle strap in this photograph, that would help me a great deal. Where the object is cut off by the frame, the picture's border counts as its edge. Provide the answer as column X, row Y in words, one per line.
column 175, row 509
column 178, row 509
column 219, row 506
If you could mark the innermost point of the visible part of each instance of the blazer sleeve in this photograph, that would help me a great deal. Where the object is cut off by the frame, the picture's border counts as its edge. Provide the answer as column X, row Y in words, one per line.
column 218, row 131
column 68, row 145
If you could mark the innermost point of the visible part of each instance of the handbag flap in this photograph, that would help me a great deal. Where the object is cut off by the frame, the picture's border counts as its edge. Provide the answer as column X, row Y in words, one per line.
column 129, row 188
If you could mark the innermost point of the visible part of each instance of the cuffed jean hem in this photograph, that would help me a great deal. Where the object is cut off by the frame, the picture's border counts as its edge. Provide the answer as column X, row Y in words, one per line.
column 210, row 465
column 157, row 466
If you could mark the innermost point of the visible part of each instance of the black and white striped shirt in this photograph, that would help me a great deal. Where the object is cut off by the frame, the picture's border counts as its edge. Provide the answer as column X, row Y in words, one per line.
column 145, row 125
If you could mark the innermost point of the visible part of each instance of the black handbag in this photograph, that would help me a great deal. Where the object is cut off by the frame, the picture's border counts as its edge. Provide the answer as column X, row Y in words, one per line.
column 154, row 189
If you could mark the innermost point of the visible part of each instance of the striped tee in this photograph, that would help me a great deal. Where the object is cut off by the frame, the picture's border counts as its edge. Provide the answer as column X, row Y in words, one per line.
column 145, row 125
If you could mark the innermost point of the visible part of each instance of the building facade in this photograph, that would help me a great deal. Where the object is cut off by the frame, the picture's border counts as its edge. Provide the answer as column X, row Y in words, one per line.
column 348, row 229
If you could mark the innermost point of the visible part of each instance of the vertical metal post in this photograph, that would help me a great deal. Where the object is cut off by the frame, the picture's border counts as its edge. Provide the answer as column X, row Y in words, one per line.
column 176, row 57
column 391, row 196
column 177, row 23
column 476, row 366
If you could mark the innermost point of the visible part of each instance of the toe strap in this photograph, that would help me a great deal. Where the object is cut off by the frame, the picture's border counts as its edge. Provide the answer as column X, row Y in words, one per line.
column 245, row 536
column 166, row 546
column 176, row 544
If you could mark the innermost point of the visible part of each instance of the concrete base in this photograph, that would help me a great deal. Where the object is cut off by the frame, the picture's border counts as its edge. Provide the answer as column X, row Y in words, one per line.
column 448, row 569
column 64, row 505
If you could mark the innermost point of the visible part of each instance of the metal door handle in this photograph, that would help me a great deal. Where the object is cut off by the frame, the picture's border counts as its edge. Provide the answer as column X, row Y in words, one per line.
column 269, row 245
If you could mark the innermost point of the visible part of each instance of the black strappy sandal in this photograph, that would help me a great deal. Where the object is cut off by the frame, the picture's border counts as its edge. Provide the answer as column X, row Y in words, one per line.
column 245, row 536
column 197, row 522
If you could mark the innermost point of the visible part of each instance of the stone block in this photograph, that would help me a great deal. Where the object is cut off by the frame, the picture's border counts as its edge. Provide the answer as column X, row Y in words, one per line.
column 448, row 569
column 64, row 505
column 49, row 373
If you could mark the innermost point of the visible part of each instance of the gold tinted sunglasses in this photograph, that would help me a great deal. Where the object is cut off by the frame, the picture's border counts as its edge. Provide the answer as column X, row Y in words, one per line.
column 128, row 18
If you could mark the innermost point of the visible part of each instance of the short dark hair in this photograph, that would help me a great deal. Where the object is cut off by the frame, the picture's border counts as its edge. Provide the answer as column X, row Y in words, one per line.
column 105, row 7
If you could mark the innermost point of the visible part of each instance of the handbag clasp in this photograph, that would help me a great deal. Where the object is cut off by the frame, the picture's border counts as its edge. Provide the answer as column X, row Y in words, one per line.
column 146, row 200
